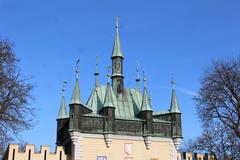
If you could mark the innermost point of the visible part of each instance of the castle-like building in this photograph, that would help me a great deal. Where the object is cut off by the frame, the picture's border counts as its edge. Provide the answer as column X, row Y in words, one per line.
column 118, row 122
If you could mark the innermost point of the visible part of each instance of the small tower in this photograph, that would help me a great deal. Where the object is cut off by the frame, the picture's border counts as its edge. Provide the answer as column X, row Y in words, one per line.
column 146, row 110
column 77, row 108
column 117, row 64
column 108, row 109
column 62, row 118
column 175, row 118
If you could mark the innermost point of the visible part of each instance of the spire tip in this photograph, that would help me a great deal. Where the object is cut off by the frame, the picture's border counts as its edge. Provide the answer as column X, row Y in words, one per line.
column 77, row 70
column 117, row 22
column 173, row 83
column 63, row 87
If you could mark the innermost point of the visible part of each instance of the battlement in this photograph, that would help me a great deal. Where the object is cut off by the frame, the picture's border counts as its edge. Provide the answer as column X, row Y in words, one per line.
column 14, row 153
column 194, row 156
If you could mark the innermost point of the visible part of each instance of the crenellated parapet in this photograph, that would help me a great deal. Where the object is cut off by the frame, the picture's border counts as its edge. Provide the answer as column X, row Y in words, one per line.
column 194, row 156
column 15, row 153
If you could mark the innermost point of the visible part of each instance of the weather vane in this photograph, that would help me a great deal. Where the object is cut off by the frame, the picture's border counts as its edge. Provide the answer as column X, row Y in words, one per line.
column 144, row 79
column 173, row 83
column 63, row 87
column 109, row 68
column 77, row 71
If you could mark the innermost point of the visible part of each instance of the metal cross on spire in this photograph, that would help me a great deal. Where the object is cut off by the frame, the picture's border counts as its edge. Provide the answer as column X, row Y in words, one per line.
column 144, row 80
column 108, row 74
column 173, row 83
column 96, row 72
column 117, row 23
column 63, row 87
column 77, row 71
column 97, row 63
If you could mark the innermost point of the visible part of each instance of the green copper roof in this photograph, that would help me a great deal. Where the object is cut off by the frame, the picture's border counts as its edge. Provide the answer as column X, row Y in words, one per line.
column 174, row 108
column 76, row 94
column 94, row 102
column 117, row 51
column 108, row 101
column 126, row 105
column 62, row 111
column 145, row 101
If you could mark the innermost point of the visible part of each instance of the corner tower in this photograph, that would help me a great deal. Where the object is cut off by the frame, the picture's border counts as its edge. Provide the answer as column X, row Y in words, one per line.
column 175, row 118
column 117, row 64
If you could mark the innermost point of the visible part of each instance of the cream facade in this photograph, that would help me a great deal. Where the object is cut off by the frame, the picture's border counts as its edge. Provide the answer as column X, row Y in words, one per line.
column 93, row 147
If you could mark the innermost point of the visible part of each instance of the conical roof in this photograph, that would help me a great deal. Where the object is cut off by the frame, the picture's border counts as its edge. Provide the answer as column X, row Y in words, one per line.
column 145, row 101
column 117, row 51
column 62, row 111
column 76, row 94
column 108, row 101
column 174, row 108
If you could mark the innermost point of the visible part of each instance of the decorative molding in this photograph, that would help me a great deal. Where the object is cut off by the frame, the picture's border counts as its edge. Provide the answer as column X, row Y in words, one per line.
column 173, row 151
column 76, row 145
column 177, row 142
column 108, row 139
column 148, row 141
column 125, row 137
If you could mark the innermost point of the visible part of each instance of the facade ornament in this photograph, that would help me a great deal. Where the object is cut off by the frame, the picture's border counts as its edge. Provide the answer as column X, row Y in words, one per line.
column 147, row 141
column 177, row 142
column 108, row 139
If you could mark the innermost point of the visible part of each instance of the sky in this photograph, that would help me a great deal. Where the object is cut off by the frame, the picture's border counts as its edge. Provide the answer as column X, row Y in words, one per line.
column 171, row 38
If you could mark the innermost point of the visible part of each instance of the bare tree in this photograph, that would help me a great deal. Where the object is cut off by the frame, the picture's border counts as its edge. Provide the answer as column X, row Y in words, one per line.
column 219, row 96
column 218, row 107
column 216, row 140
column 15, row 94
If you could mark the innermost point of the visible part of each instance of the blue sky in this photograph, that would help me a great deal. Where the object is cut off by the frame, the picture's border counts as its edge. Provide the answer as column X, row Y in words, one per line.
column 170, row 39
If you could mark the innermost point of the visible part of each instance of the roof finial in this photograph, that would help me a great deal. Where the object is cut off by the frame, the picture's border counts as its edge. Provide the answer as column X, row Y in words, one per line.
column 144, row 80
column 173, row 83
column 138, row 76
column 96, row 72
column 77, row 71
column 63, row 87
column 108, row 74
column 116, row 23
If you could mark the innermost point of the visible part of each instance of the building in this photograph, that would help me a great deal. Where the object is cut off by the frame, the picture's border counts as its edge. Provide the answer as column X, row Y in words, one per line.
column 118, row 122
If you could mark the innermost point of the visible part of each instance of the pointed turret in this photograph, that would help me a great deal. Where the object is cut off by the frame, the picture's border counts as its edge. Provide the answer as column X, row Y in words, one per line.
column 146, row 106
column 62, row 118
column 108, row 101
column 117, row 65
column 117, row 51
column 76, row 91
column 108, row 109
column 146, row 112
column 77, row 108
column 176, row 119
column 174, row 108
column 62, row 111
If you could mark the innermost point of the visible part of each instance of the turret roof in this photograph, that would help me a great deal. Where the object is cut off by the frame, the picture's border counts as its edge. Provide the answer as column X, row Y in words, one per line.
column 108, row 101
column 62, row 111
column 174, row 107
column 145, row 101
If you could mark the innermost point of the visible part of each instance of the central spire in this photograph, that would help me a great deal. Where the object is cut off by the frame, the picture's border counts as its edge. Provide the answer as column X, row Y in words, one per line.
column 117, row 51
column 117, row 64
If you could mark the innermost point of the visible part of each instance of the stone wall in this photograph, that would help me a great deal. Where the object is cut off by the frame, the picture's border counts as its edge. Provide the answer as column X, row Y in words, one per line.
column 14, row 153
